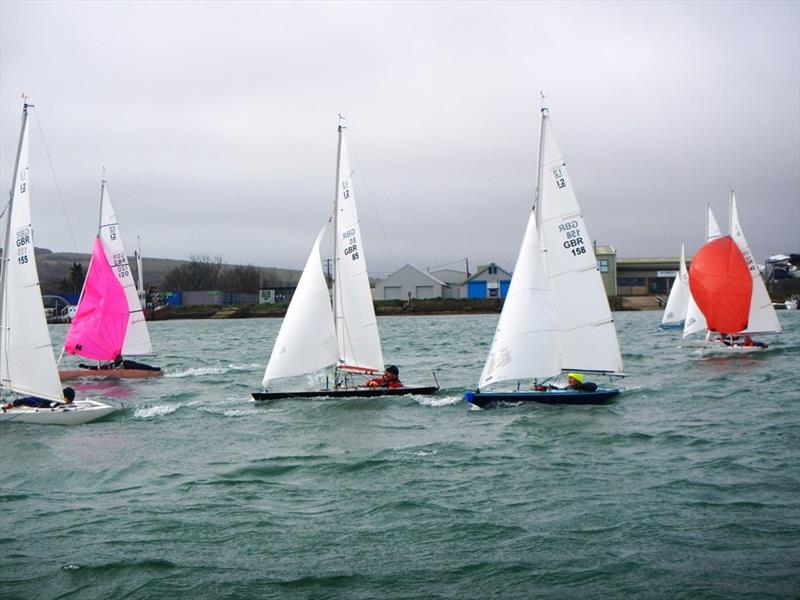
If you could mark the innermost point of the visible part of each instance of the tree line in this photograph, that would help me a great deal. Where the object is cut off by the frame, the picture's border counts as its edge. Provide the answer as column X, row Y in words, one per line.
column 202, row 272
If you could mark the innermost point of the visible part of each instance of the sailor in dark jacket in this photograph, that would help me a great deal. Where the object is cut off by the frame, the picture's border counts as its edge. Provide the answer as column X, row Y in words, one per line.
column 34, row 402
column 575, row 382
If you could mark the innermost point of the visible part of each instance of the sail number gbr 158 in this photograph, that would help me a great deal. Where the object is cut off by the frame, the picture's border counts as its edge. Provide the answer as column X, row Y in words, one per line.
column 573, row 239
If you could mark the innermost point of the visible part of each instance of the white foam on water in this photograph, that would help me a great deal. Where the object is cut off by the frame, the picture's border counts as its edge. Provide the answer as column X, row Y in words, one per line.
column 158, row 410
column 200, row 371
column 436, row 401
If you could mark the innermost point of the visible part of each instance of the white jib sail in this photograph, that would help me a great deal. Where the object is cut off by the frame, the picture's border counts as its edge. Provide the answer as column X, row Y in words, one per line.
column 306, row 341
column 356, row 328
column 137, row 338
column 589, row 339
column 695, row 320
column 527, row 340
column 762, row 317
column 27, row 363
column 678, row 301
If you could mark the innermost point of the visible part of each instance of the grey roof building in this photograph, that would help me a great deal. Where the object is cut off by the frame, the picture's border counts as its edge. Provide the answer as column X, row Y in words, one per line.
column 411, row 282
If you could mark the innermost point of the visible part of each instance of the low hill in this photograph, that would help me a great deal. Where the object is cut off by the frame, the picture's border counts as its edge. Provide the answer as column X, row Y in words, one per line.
column 54, row 267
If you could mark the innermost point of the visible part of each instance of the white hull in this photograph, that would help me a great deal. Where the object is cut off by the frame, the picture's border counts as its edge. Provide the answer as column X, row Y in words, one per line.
column 76, row 413
column 716, row 349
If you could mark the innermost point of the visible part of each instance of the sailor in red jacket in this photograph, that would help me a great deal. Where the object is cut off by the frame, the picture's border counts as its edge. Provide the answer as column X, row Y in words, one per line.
column 389, row 379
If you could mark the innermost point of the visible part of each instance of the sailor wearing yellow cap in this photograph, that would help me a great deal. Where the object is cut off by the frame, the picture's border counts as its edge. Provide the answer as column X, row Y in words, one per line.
column 575, row 382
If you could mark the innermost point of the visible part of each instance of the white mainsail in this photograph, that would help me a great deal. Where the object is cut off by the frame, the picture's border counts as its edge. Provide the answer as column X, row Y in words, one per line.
column 678, row 301
column 27, row 363
column 356, row 327
column 528, row 336
column 306, row 341
column 137, row 338
column 762, row 318
column 695, row 321
column 556, row 315
column 589, row 339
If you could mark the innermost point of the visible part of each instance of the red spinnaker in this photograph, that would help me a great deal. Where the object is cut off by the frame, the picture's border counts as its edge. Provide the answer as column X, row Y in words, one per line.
column 721, row 285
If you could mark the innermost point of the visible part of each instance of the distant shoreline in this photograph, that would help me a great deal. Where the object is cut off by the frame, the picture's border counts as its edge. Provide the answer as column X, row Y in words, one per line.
column 383, row 308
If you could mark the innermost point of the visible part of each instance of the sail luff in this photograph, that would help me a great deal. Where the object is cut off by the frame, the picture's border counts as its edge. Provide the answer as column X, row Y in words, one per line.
column 27, row 362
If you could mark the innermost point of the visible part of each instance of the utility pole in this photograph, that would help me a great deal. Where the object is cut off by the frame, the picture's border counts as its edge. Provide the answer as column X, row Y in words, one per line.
column 328, row 263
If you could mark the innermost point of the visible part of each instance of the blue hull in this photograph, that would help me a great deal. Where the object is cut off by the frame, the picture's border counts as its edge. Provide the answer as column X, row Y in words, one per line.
column 671, row 325
column 486, row 399
column 360, row 392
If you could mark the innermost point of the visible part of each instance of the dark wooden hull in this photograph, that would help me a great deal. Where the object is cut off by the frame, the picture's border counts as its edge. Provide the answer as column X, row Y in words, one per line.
column 109, row 373
column 158, row 313
column 365, row 392
column 486, row 399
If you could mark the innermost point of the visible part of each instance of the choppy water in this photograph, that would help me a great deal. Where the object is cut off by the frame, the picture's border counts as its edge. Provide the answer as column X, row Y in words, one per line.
column 687, row 487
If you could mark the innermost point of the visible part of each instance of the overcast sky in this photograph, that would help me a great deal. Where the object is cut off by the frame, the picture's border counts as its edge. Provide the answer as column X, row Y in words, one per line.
column 216, row 122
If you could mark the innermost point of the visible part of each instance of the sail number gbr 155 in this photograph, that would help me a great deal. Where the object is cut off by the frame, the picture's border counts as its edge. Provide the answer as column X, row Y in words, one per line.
column 573, row 239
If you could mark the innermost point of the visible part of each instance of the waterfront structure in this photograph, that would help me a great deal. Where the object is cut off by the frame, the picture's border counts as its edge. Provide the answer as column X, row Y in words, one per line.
column 490, row 281
column 412, row 282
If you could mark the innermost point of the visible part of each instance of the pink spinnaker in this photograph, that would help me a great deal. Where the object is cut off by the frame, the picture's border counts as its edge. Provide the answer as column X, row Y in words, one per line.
column 99, row 327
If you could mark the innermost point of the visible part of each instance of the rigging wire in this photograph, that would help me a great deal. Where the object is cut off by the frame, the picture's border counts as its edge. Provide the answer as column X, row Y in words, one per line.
column 55, row 179
column 373, row 207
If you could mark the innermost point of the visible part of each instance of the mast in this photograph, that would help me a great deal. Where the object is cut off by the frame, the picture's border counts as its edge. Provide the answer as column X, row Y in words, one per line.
column 102, row 189
column 731, row 200
column 7, row 234
column 140, row 261
column 537, row 195
column 336, row 278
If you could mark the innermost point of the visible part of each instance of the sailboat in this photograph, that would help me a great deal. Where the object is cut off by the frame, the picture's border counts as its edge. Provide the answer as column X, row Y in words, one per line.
column 556, row 316
column 27, row 363
column 734, row 301
column 315, row 335
column 678, row 301
column 109, row 321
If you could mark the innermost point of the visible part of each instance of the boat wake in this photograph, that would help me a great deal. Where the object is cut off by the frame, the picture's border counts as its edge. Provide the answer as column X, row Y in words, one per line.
column 200, row 371
column 436, row 401
column 159, row 410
